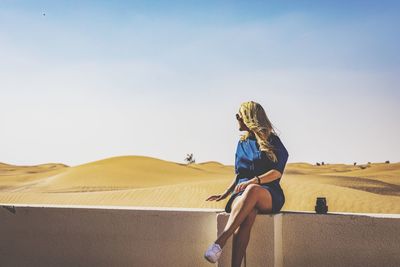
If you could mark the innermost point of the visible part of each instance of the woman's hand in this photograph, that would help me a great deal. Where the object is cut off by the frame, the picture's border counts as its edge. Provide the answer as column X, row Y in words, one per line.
column 242, row 186
column 216, row 197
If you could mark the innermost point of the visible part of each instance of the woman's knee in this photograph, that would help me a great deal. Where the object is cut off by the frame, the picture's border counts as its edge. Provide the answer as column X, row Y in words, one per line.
column 251, row 189
column 263, row 196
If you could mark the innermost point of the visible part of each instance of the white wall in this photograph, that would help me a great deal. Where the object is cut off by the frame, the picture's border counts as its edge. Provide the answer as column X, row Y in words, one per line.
column 340, row 240
column 51, row 236
column 310, row 239
column 59, row 235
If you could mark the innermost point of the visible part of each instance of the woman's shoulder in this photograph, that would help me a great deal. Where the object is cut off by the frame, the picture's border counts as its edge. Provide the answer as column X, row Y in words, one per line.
column 276, row 142
column 273, row 137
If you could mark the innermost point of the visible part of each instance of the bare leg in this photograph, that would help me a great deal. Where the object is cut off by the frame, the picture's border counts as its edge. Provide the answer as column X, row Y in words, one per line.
column 233, row 212
column 254, row 196
column 241, row 238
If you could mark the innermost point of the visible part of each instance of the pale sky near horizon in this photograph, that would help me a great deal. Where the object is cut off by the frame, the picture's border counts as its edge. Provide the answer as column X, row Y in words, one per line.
column 86, row 80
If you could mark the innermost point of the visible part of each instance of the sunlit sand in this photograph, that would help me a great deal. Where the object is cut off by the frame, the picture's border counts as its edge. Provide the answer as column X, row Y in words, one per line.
column 145, row 181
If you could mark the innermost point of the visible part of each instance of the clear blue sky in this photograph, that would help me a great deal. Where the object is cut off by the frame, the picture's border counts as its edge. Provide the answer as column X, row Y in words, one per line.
column 87, row 80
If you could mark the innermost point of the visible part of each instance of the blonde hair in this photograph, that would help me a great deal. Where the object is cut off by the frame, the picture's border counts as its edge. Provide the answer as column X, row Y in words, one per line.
column 255, row 118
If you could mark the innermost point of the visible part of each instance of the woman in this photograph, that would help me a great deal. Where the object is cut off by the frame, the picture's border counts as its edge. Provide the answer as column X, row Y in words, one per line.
column 260, row 161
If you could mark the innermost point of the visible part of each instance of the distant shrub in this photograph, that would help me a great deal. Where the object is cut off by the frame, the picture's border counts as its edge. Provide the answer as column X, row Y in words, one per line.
column 387, row 162
column 355, row 163
column 369, row 163
column 362, row 167
column 322, row 163
column 190, row 159
column 318, row 164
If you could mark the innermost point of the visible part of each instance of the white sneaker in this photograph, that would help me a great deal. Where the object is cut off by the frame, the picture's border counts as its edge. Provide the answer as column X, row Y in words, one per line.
column 213, row 253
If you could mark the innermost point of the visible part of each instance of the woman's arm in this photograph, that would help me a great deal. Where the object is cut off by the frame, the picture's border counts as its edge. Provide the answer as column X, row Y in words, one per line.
column 264, row 178
column 267, row 177
column 225, row 194
column 231, row 187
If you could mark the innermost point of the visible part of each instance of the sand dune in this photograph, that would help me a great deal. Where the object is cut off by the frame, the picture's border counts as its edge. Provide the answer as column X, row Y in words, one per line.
column 145, row 181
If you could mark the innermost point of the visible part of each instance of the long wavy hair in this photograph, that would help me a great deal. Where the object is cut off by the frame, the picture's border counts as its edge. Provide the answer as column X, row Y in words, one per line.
column 255, row 118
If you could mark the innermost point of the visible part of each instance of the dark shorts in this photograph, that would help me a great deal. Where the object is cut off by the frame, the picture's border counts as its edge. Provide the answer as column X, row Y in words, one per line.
column 278, row 199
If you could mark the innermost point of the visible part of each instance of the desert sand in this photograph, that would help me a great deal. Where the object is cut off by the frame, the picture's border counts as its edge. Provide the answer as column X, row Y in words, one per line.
column 146, row 181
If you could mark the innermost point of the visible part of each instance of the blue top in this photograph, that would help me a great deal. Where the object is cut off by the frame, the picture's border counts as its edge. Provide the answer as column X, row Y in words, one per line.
column 250, row 161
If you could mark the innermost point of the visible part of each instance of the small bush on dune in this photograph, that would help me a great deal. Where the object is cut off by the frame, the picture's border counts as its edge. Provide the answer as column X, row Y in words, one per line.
column 190, row 159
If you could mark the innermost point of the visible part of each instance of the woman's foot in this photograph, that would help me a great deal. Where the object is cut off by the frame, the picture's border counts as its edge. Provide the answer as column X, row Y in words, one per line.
column 213, row 253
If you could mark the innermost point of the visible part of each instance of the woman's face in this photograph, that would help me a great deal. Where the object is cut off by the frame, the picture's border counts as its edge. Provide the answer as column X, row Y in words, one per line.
column 242, row 126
